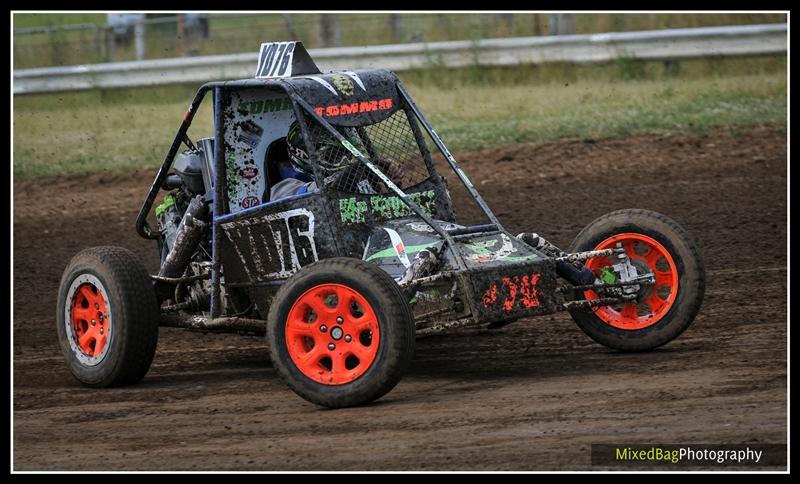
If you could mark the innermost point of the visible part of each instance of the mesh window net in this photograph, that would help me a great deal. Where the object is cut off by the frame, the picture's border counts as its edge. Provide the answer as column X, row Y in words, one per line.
column 389, row 144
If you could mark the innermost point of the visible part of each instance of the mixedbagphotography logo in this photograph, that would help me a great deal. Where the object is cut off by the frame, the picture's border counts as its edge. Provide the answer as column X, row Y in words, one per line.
column 688, row 455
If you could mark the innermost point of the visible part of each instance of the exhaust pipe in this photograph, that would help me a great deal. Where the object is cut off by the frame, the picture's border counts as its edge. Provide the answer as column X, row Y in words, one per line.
column 190, row 233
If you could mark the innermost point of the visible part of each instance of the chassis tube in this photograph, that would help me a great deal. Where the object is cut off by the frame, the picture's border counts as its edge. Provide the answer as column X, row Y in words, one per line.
column 448, row 240
column 484, row 229
column 375, row 170
column 142, row 228
column 219, row 198
column 385, row 179
column 221, row 325
column 449, row 157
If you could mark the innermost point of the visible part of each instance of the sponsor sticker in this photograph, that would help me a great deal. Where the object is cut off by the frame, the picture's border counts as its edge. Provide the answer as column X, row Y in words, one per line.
column 248, row 202
column 513, row 292
column 248, row 172
column 354, row 108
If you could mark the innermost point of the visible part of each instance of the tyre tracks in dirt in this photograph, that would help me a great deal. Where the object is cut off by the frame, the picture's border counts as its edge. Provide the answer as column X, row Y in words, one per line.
column 532, row 395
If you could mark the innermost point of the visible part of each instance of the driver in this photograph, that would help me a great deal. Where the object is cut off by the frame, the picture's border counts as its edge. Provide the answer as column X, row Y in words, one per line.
column 337, row 165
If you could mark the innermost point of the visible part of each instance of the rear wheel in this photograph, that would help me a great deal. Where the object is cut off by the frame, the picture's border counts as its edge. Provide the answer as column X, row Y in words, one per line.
column 107, row 317
column 655, row 244
column 340, row 332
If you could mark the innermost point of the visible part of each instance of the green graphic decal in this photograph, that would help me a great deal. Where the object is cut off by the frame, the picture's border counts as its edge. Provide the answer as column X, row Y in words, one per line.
column 352, row 211
column 518, row 258
column 384, row 207
column 267, row 106
column 169, row 201
column 393, row 207
column 343, row 84
column 410, row 249
column 481, row 247
column 233, row 186
column 486, row 250
column 351, row 148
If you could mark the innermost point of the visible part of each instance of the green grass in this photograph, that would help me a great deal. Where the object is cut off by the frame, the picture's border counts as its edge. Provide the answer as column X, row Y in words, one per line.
column 623, row 69
column 236, row 33
column 25, row 20
column 84, row 132
column 590, row 110
column 458, row 23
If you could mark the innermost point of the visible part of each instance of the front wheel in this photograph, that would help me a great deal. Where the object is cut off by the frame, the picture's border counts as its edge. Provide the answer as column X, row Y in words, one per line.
column 340, row 332
column 655, row 244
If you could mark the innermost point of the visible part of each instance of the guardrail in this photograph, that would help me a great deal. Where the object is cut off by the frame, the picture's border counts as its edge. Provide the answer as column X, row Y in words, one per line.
column 669, row 44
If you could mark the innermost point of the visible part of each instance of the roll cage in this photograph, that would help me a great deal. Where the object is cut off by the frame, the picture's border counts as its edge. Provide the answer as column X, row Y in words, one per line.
column 306, row 114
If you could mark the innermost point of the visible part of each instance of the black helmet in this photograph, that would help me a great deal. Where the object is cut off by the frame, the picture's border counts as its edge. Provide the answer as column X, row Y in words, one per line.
column 332, row 156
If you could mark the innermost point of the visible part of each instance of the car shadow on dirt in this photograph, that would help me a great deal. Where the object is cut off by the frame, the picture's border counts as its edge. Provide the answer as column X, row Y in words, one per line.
column 543, row 363
column 462, row 355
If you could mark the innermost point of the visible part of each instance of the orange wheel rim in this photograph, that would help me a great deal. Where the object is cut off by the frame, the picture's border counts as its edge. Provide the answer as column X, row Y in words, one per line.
column 332, row 334
column 646, row 252
column 88, row 320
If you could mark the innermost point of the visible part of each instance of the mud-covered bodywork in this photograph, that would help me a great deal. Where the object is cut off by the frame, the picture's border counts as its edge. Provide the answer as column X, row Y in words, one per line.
column 316, row 215
column 507, row 278
column 384, row 202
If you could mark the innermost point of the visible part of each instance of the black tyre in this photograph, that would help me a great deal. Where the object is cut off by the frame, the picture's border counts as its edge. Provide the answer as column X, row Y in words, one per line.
column 340, row 332
column 662, row 312
column 107, row 317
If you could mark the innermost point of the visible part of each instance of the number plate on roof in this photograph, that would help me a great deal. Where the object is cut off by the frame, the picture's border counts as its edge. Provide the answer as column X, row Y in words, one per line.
column 284, row 59
column 275, row 60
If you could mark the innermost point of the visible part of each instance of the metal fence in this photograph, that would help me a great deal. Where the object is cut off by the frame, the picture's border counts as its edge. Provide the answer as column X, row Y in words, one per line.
column 161, row 36
column 671, row 44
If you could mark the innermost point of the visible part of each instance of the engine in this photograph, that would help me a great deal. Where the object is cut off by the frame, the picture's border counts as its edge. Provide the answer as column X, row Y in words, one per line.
column 184, row 222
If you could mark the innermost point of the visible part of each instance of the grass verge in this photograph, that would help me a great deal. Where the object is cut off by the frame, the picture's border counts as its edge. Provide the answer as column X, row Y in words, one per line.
column 84, row 132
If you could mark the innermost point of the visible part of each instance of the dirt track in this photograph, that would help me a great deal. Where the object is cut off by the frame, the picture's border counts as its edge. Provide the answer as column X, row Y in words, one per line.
column 530, row 396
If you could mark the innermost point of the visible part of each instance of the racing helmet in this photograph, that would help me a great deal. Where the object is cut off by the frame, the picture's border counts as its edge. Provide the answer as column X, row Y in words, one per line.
column 332, row 156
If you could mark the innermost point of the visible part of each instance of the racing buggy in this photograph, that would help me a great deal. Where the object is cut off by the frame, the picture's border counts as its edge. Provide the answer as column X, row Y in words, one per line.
column 366, row 255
